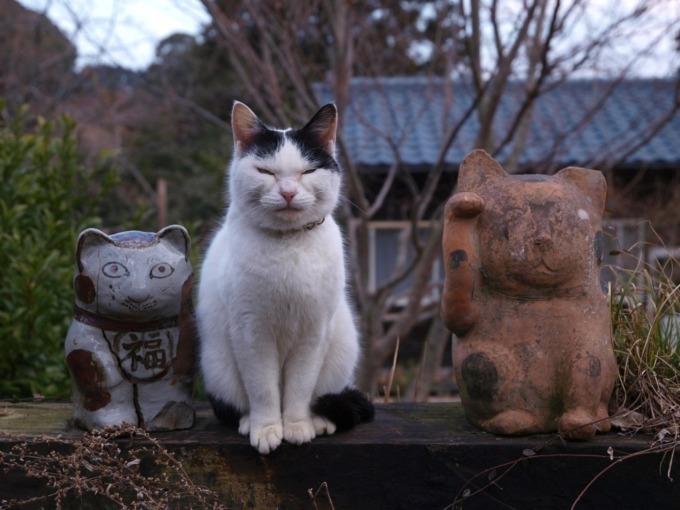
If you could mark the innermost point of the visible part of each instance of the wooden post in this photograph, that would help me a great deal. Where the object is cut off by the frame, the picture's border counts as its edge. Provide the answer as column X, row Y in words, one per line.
column 162, row 202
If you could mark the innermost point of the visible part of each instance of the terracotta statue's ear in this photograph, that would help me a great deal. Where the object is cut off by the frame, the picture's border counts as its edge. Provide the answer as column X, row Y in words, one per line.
column 476, row 169
column 245, row 126
column 177, row 237
column 591, row 182
column 88, row 240
column 323, row 126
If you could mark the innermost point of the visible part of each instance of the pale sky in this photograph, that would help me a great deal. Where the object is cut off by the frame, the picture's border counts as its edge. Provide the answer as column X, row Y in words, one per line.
column 126, row 32
column 122, row 32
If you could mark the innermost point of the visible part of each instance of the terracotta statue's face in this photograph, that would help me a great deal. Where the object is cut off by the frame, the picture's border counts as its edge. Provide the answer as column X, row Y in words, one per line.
column 535, row 232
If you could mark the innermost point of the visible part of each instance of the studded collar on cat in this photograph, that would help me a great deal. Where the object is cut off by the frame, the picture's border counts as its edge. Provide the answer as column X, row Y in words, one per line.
column 310, row 226
column 303, row 228
column 108, row 324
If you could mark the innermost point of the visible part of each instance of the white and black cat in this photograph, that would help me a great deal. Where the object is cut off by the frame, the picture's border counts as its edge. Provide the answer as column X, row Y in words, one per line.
column 279, row 343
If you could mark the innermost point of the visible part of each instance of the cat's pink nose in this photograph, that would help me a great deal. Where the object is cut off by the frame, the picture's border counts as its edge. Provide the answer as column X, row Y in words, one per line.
column 288, row 196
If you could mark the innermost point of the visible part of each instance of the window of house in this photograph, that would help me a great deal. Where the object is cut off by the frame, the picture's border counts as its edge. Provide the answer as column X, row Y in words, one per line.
column 391, row 249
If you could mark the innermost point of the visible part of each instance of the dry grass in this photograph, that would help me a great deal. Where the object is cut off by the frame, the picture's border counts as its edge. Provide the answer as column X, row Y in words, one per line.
column 390, row 380
column 118, row 467
column 645, row 306
column 321, row 498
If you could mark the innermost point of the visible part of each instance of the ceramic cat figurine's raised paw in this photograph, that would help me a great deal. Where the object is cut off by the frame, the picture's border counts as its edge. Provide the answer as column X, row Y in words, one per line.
column 279, row 344
column 522, row 293
column 130, row 347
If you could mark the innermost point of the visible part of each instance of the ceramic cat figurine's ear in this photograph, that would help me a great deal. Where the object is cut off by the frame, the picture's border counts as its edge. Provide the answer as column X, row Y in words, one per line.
column 279, row 342
column 130, row 347
column 522, row 293
column 177, row 237
column 88, row 240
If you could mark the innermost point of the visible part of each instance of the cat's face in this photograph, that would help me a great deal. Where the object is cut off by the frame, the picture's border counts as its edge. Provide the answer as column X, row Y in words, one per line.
column 536, row 230
column 284, row 179
column 136, row 276
column 537, row 233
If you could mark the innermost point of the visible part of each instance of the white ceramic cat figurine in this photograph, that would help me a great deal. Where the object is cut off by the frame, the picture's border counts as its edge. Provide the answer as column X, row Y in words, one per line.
column 131, row 345
column 279, row 343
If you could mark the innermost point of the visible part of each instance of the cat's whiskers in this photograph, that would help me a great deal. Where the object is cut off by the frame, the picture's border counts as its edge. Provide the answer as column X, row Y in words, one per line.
column 352, row 203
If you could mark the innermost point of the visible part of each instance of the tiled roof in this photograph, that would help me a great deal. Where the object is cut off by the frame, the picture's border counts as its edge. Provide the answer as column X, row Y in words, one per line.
column 413, row 114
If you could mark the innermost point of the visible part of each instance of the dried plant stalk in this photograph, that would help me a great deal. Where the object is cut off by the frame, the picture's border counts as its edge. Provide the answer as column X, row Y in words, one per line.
column 645, row 306
column 117, row 466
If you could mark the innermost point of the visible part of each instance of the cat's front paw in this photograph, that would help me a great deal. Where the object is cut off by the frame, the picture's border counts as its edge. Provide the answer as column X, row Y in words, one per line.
column 267, row 438
column 244, row 425
column 299, row 432
column 323, row 426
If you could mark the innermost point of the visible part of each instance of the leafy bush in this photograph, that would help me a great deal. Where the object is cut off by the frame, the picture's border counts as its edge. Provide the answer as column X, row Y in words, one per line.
column 46, row 198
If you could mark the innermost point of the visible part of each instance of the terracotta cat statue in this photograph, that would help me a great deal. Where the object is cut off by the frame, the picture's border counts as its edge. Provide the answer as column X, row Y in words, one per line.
column 522, row 294
column 130, row 346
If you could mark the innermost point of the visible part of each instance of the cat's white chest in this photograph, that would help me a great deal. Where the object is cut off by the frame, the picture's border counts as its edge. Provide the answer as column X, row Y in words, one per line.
column 299, row 270
column 291, row 283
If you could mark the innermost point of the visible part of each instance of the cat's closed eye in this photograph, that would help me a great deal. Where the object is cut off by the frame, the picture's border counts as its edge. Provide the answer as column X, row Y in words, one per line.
column 265, row 171
column 311, row 170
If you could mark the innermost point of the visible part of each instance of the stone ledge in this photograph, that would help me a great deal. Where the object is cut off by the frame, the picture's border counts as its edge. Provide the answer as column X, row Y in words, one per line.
column 413, row 456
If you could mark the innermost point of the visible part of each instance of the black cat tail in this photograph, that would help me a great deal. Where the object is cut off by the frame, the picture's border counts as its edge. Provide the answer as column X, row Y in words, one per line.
column 346, row 409
column 225, row 412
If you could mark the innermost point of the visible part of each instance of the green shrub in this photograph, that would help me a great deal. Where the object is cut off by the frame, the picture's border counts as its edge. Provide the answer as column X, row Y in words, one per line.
column 46, row 198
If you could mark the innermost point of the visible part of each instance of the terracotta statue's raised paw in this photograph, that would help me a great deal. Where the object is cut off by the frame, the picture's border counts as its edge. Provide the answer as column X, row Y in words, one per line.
column 464, row 205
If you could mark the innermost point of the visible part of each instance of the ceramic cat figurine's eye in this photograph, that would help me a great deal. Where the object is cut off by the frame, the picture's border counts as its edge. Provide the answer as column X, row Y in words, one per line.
column 522, row 293
column 279, row 342
column 130, row 347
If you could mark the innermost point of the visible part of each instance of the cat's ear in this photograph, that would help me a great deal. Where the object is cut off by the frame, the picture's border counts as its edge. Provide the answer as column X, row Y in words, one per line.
column 477, row 168
column 591, row 183
column 88, row 240
column 245, row 126
column 323, row 127
column 177, row 237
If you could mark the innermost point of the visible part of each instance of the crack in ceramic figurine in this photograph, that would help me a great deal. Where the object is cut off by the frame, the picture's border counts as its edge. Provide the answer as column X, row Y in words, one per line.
column 522, row 293
column 130, row 347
